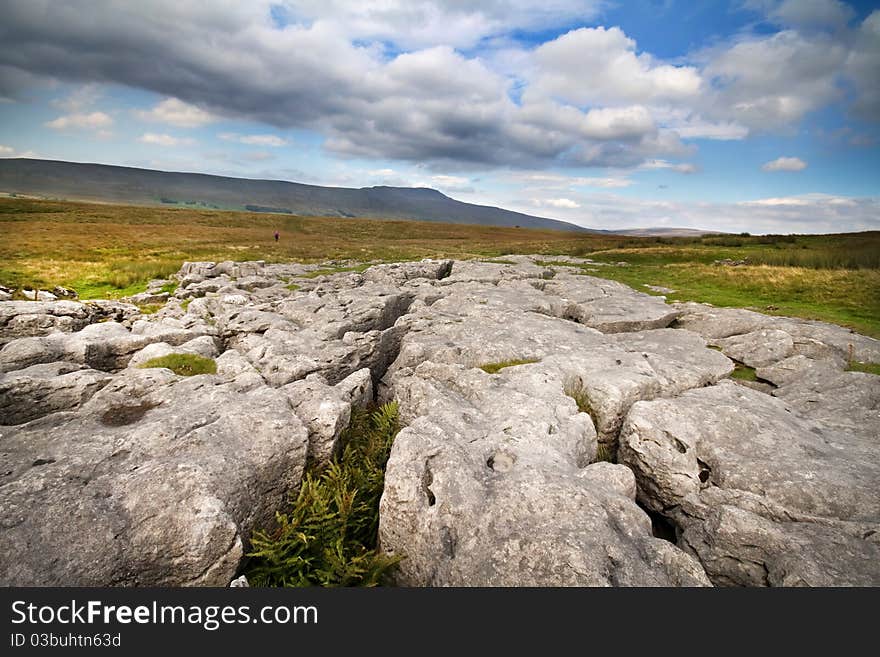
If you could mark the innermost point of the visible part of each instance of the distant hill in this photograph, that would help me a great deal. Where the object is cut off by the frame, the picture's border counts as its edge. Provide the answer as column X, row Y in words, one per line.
column 113, row 184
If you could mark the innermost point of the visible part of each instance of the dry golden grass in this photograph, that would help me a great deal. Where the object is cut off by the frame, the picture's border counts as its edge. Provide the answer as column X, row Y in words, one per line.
column 102, row 248
column 109, row 251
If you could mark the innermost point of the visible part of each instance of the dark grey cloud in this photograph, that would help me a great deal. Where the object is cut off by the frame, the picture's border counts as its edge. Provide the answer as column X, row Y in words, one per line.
column 430, row 105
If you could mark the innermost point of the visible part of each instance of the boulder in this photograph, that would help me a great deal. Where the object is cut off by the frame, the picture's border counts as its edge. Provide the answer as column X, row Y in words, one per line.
column 143, row 298
column 758, row 348
column 398, row 273
column 326, row 410
column 609, row 306
column 204, row 346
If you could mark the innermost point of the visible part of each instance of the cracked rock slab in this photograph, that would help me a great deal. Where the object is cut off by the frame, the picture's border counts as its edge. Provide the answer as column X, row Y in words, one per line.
column 476, row 327
column 103, row 346
column 155, row 481
column 760, row 493
column 495, row 478
column 47, row 388
column 817, row 340
column 490, row 485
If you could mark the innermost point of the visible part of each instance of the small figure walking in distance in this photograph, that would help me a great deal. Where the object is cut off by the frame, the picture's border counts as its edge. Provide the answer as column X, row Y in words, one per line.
column 276, row 236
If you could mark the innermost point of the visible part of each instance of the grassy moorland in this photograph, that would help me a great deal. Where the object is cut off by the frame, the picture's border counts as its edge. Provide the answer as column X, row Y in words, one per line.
column 112, row 251
column 834, row 278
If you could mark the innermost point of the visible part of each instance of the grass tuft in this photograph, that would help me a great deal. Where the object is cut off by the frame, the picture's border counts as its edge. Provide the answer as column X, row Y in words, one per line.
column 575, row 389
column 329, row 537
column 150, row 308
column 126, row 273
column 743, row 372
column 494, row 368
column 184, row 364
column 870, row 368
column 604, row 452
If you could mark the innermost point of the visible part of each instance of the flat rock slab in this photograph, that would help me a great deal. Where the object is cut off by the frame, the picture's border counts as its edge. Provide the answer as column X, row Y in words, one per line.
column 47, row 388
column 818, row 340
column 103, row 346
column 475, row 327
column 761, row 494
column 155, row 481
column 19, row 319
column 491, row 485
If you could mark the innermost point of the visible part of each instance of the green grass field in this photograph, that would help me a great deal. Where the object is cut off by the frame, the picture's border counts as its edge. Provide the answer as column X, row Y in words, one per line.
column 112, row 251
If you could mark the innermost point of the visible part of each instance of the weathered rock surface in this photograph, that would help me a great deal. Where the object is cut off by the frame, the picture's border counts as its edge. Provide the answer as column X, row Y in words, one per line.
column 154, row 481
column 817, row 340
column 148, row 298
column 761, row 494
column 326, row 410
column 496, row 479
column 103, row 346
column 204, row 346
column 32, row 318
column 39, row 390
column 758, row 348
column 481, row 326
column 490, row 485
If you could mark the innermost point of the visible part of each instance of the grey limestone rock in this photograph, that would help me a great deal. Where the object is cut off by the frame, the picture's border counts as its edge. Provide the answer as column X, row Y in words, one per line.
column 491, row 485
column 326, row 410
column 20, row 319
column 155, row 480
column 103, row 346
column 39, row 390
column 114, row 474
column 760, row 493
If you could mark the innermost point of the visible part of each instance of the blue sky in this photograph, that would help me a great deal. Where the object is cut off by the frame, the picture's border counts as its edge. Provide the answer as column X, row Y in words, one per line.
column 758, row 115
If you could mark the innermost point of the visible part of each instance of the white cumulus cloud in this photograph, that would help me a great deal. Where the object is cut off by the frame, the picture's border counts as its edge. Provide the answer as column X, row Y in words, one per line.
column 164, row 140
column 785, row 164
column 254, row 140
column 600, row 65
column 558, row 203
column 447, row 83
column 90, row 121
column 174, row 111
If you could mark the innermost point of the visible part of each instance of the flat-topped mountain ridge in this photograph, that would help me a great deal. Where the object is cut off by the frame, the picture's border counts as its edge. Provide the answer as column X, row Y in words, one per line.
column 557, row 429
column 129, row 185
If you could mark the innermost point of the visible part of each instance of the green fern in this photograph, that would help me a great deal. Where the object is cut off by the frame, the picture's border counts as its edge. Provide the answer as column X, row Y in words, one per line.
column 329, row 536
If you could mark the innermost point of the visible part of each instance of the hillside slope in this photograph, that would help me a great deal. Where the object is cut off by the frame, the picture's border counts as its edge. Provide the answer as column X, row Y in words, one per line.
column 99, row 182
